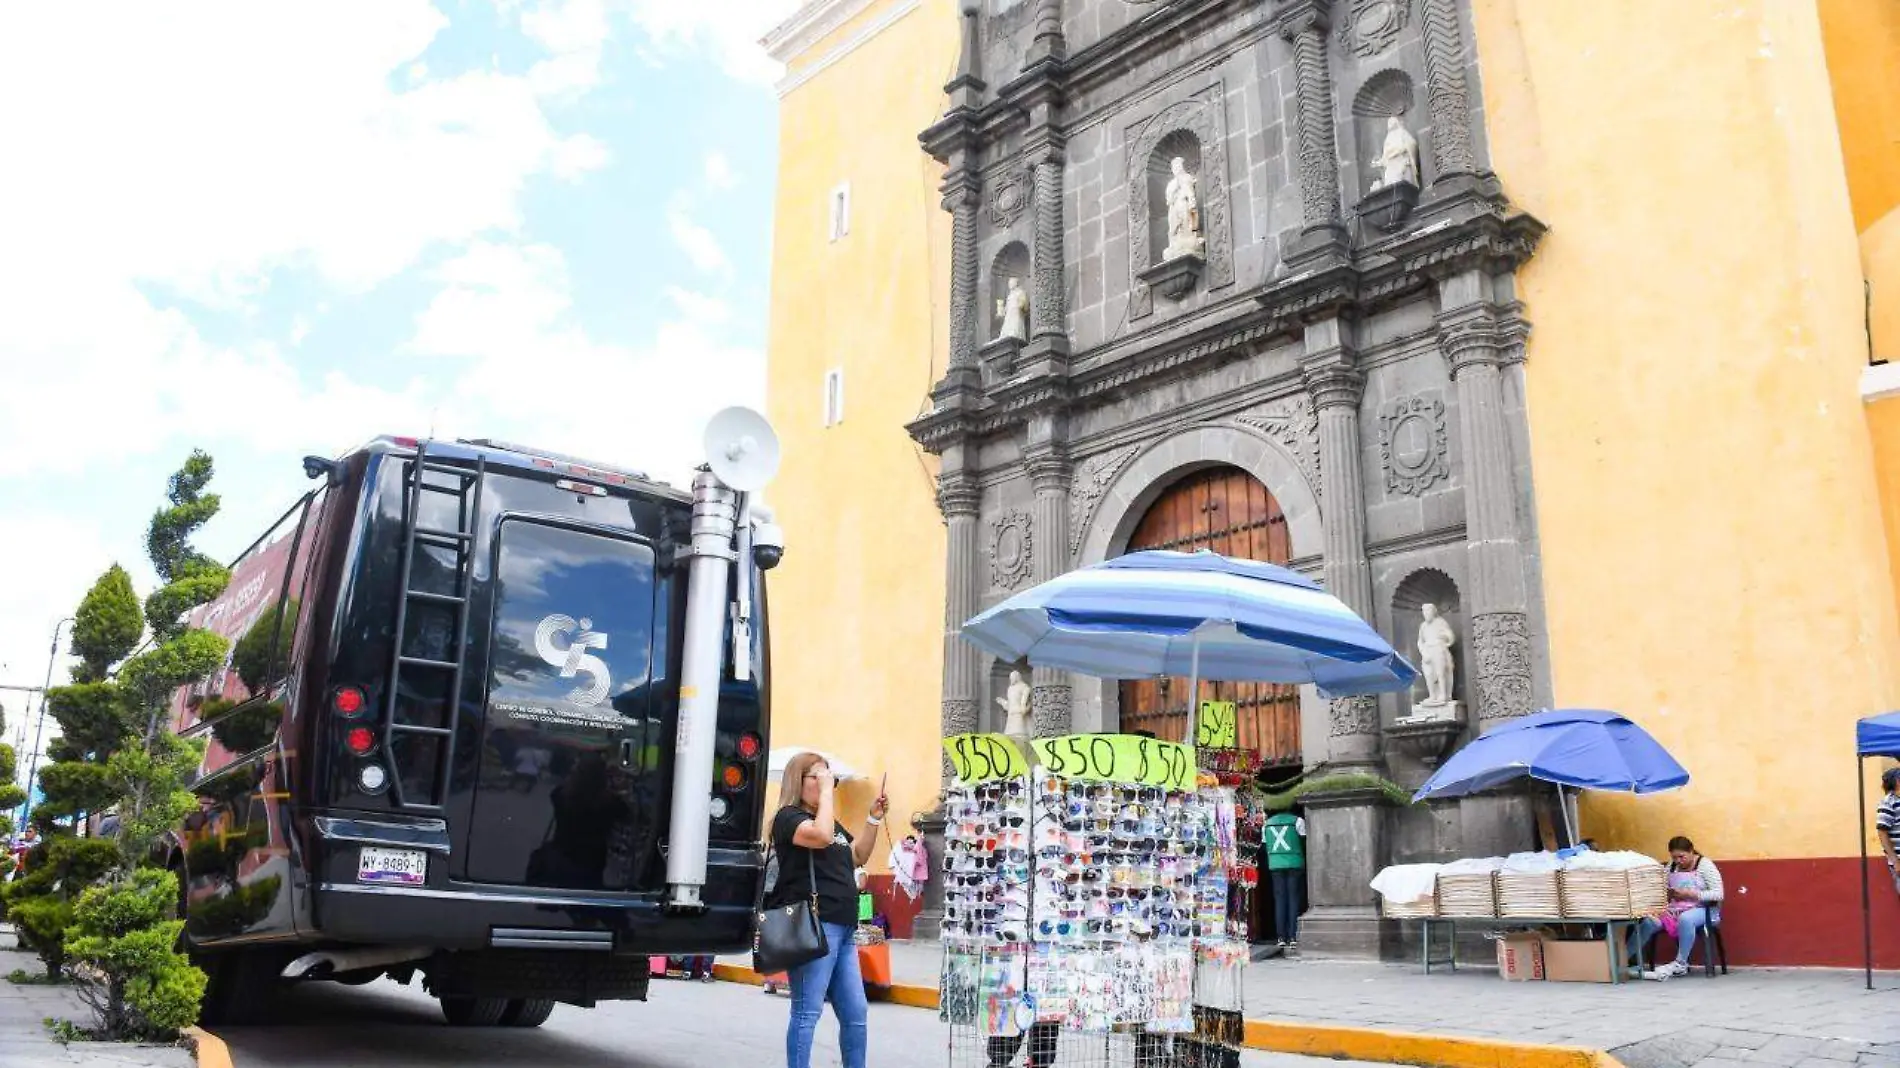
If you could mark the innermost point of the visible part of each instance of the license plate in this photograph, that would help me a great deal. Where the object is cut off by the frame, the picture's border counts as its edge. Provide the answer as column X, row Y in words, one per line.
column 403, row 867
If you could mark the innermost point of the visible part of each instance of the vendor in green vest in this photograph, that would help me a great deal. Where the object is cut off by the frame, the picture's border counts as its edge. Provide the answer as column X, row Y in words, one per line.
column 1284, row 842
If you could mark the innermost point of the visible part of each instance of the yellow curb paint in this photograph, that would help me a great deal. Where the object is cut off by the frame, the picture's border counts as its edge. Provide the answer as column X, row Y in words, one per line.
column 209, row 1049
column 1344, row 1043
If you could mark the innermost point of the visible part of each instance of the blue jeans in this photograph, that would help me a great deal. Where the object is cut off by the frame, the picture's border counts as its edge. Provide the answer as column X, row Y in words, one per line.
column 1688, row 926
column 1288, row 886
column 832, row 977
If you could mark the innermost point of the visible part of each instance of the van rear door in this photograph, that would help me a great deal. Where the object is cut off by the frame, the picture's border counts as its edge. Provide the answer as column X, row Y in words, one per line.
column 570, row 792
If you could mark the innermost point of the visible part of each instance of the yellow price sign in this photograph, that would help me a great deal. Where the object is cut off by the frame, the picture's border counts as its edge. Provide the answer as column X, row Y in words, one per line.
column 985, row 757
column 1120, row 758
column 1216, row 727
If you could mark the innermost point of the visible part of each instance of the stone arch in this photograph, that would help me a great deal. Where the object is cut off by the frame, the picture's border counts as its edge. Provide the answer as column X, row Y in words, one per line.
column 1144, row 476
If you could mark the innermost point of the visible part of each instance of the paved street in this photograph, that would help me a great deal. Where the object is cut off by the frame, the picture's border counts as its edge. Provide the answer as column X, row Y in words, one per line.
column 25, row 1043
column 1790, row 1017
column 686, row 1025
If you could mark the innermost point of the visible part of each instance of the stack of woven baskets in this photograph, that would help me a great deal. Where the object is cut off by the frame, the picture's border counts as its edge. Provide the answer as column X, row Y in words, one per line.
column 1529, row 894
column 1609, row 894
column 1472, row 894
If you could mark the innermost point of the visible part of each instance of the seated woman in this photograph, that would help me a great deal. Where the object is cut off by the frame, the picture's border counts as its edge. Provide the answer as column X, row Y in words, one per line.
column 1695, row 893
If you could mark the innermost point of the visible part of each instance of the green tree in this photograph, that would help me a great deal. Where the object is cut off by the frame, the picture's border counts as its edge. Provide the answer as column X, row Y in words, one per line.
column 135, row 981
column 107, row 625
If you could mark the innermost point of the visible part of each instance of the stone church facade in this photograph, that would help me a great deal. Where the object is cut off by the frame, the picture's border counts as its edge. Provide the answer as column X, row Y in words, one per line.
column 1344, row 351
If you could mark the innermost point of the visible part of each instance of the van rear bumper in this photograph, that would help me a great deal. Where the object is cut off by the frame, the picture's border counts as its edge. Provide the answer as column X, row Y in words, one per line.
column 475, row 917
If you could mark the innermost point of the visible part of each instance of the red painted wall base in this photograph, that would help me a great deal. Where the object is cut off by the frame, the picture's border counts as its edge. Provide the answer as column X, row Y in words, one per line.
column 896, row 905
column 1803, row 912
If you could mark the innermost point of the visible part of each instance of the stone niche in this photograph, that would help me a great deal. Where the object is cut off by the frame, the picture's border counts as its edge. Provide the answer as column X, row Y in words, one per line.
column 1422, row 587
column 999, row 352
column 1385, row 96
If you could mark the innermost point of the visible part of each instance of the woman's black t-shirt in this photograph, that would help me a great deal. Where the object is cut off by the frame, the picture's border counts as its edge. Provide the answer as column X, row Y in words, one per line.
column 835, row 870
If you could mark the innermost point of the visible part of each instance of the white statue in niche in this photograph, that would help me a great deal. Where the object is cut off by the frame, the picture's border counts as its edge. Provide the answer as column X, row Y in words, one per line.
column 1184, row 213
column 1013, row 309
column 1398, row 158
column 1016, row 707
column 1435, row 639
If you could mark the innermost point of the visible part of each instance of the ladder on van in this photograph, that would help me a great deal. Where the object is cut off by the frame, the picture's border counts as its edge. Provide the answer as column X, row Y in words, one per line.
column 466, row 489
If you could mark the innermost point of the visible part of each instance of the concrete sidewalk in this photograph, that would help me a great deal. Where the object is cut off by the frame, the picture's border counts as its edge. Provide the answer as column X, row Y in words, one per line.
column 26, row 1043
column 1793, row 1017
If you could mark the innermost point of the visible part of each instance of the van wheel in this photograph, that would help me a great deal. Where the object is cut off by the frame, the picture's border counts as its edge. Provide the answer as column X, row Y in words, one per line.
column 473, row 1012
column 530, row 1012
column 240, row 985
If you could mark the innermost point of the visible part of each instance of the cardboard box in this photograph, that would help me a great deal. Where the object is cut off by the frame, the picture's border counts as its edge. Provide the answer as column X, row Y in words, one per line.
column 1577, row 962
column 1521, row 956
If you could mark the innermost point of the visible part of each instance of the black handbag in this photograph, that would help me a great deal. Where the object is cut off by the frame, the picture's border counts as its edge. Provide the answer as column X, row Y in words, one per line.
column 791, row 934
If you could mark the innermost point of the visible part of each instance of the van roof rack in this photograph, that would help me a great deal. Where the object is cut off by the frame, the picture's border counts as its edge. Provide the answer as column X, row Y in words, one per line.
column 562, row 458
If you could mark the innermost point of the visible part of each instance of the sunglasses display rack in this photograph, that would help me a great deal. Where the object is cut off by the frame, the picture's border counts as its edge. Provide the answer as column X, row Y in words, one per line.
column 1088, row 921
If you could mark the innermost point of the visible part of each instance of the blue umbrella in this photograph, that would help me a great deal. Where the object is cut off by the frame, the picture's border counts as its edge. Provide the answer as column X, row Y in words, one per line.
column 1582, row 747
column 1197, row 614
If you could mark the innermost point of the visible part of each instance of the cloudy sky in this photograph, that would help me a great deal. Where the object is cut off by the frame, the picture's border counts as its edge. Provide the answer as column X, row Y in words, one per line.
column 268, row 228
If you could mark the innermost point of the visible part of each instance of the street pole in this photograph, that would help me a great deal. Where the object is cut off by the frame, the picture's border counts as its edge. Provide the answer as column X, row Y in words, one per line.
column 33, row 763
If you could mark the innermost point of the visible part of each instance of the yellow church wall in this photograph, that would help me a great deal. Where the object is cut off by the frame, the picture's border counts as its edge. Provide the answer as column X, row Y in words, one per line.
column 1713, row 557
column 857, row 605
column 1863, row 55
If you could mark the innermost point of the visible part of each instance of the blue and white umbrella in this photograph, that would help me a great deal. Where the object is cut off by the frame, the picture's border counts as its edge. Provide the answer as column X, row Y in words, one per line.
column 1197, row 614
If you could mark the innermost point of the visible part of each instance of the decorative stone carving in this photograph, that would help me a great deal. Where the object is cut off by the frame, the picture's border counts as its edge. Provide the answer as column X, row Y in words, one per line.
column 1503, row 644
column 963, row 271
column 1009, row 199
column 1445, row 88
column 1387, row 208
column 1049, row 716
column 1203, row 115
column 1425, row 740
column 1010, row 560
column 1414, row 444
column 1012, row 310
column 1015, row 706
column 1372, row 26
column 1047, row 307
column 1091, row 481
column 1354, row 715
column 1293, row 423
column 1319, row 156
column 958, row 717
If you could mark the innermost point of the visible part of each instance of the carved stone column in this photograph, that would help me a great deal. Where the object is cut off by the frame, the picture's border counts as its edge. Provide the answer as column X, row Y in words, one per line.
column 957, row 497
column 1336, row 385
column 1046, row 312
column 1052, row 696
column 962, row 197
column 1048, row 43
column 1446, row 89
column 1476, row 345
column 1305, row 23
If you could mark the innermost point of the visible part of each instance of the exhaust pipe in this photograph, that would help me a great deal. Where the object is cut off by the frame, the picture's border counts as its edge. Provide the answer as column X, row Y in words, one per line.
column 336, row 961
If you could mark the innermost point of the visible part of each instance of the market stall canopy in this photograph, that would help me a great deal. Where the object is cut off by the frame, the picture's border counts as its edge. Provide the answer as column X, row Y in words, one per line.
column 1586, row 748
column 1198, row 614
column 1878, row 735
column 840, row 771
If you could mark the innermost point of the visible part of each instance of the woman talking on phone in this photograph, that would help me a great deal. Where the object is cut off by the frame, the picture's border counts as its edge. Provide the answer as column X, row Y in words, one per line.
column 814, row 847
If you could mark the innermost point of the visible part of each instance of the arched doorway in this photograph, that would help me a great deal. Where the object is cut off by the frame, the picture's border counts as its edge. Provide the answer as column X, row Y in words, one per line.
column 1228, row 511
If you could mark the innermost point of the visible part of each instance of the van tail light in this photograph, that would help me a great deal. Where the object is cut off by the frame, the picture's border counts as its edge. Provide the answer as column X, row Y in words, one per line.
column 733, row 777
column 349, row 701
column 360, row 740
column 749, row 746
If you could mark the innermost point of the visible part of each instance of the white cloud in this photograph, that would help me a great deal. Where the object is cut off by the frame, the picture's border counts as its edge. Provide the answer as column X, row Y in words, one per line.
column 699, row 244
column 698, row 307
column 719, row 172
column 729, row 28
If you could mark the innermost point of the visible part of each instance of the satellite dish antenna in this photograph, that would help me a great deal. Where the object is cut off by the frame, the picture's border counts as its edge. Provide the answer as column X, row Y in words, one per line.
column 742, row 449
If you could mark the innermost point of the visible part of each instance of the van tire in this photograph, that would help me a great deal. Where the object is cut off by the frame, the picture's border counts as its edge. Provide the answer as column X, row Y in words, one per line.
column 241, row 983
column 527, row 1012
column 474, row 1012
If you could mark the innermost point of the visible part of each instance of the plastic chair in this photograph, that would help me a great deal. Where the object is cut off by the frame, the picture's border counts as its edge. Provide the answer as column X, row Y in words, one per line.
column 1712, row 947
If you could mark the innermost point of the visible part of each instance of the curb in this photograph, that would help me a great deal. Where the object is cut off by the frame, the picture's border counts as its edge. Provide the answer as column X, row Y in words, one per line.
column 209, row 1049
column 1319, row 1040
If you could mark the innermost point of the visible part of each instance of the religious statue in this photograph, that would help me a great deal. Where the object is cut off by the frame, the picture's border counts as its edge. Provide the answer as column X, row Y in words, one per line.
column 1398, row 157
column 1016, row 707
column 1435, row 639
column 1184, row 213
column 1013, row 309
